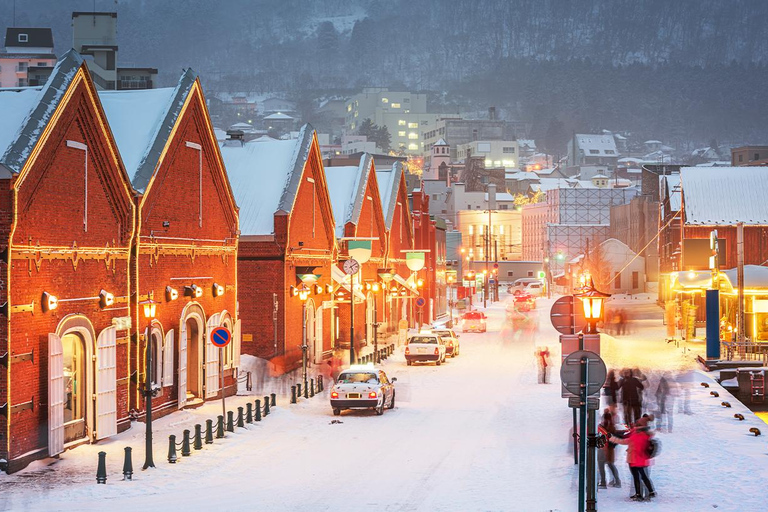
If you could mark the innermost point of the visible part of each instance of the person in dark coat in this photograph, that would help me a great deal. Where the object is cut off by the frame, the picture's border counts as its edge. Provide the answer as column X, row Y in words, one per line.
column 631, row 397
column 611, row 390
column 607, row 454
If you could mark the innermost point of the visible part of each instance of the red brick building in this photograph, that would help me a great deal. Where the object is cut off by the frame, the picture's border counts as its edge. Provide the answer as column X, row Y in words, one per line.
column 429, row 236
column 184, row 257
column 287, row 231
column 67, row 222
column 399, row 226
column 357, row 210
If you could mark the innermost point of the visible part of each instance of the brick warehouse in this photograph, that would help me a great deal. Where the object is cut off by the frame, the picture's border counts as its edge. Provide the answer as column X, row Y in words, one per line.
column 287, row 231
column 62, row 342
column 429, row 235
column 185, row 258
column 357, row 209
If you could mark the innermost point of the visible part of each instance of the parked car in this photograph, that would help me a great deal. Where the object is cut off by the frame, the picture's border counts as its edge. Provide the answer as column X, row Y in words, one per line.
column 425, row 347
column 451, row 340
column 536, row 289
column 473, row 321
column 520, row 284
column 363, row 387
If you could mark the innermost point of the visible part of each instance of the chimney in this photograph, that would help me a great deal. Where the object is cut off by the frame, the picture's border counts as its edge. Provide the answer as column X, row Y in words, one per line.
column 234, row 138
column 492, row 113
column 491, row 196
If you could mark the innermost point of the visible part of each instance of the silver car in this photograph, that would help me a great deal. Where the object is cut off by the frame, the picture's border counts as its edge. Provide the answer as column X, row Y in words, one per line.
column 363, row 387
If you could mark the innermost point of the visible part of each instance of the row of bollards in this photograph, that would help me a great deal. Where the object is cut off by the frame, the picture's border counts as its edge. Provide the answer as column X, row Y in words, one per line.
column 312, row 388
column 378, row 356
column 727, row 405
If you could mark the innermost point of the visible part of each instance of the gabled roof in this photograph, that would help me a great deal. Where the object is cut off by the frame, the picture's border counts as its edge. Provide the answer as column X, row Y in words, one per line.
column 725, row 195
column 346, row 186
column 389, row 184
column 265, row 177
column 36, row 37
column 441, row 142
column 142, row 121
column 600, row 143
column 26, row 112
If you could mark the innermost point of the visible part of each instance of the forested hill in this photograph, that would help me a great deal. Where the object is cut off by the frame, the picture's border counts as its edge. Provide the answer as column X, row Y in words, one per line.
column 446, row 45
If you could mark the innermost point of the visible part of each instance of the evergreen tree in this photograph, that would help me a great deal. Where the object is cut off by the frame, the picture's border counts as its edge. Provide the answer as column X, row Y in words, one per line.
column 368, row 129
column 383, row 139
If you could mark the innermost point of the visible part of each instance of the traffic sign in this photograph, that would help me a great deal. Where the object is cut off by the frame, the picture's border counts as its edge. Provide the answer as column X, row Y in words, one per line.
column 221, row 337
column 495, row 265
column 420, row 302
column 593, row 403
column 570, row 373
column 567, row 316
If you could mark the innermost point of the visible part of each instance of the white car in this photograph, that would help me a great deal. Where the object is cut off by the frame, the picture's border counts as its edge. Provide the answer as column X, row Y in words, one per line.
column 521, row 284
column 451, row 340
column 535, row 289
column 363, row 387
column 425, row 347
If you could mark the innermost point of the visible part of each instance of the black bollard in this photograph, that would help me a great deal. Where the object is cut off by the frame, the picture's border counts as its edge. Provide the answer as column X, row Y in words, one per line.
column 273, row 399
column 101, row 470
column 311, row 387
column 198, row 441
column 230, row 421
column 298, row 389
column 172, row 449
column 266, row 406
column 208, row 431
column 240, row 419
column 306, row 390
column 185, row 449
column 219, row 426
column 293, row 394
column 249, row 412
column 127, row 464
column 258, row 410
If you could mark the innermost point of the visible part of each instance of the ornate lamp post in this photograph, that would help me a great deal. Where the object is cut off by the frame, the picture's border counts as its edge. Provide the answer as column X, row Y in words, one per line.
column 149, row 308
column 308, row 280
column 592, row 301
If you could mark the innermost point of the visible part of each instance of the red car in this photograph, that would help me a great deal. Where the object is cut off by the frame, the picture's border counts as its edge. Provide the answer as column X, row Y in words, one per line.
column 525, row 302
column 473, row 321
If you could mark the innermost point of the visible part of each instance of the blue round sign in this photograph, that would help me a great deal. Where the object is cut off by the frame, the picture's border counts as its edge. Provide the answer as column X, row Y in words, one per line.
column 221, row 337
column 420, row 302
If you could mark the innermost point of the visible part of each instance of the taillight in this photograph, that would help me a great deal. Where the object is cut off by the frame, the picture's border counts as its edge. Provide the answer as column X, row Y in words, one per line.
column 437, row 352
column 407, row 350
column 450, row 343
column 372, row 394
column 334, row 394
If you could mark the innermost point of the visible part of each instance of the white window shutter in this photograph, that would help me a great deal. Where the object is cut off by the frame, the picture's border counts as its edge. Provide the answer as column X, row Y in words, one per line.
column 211, row 359
column 182, row 392
column 55, row 395
column 168, row 360
column 106, row 383
column 236, row 344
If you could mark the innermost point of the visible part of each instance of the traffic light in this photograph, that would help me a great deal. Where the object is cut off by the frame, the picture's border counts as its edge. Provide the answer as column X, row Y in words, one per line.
column 542, row 274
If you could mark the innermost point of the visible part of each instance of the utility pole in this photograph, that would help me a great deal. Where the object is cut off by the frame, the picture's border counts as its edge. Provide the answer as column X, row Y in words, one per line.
column 740, row 278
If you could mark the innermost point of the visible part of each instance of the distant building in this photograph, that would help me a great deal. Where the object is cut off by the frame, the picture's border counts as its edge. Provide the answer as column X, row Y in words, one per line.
column 457, row 131
column 492, row 234
column 497, row 153
column 351, row 144
column 749, row 155
column 439, row 163
column 592, row 154
column 94, row 36
column 28, row 58
column 403, row 113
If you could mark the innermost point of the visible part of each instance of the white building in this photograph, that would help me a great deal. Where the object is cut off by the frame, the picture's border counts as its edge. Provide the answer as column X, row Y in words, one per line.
column 590, row 154
column 497, row 153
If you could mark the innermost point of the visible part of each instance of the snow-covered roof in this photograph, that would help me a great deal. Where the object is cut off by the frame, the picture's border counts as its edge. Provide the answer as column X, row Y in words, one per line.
column 441, row 142
column 652, row 142
column 346, row 187
column 24, row 115
column 671, row 184
column 502, row 196
column 265, row 176
column 605, row 145
column 220, row 134
column 600, row 176
column 547, row 184
column 389, row 185
column 725, row 195
column 755, row 277
column 526, row 143
column 278, row 116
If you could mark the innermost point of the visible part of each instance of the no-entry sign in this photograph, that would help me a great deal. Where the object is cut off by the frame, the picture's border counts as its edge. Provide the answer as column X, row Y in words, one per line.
column 221, row 337
column 420, row 302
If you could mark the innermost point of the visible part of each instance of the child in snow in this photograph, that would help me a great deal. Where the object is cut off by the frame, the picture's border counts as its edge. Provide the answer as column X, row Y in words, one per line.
column 637, row 457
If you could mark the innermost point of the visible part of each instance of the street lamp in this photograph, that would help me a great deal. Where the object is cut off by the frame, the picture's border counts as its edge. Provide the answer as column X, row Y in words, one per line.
column 592, row 301
column 308, row 280
column 149, row 308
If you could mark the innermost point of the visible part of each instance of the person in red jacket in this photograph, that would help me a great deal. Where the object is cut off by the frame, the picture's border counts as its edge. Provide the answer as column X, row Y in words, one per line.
column 637, row 456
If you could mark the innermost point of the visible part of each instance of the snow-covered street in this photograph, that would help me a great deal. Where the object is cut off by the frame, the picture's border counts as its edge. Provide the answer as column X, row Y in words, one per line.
column 477, row 433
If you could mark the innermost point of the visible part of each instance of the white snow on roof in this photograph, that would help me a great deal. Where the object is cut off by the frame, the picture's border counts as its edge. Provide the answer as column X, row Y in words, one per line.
column 15, row 107
column 725, row 195
column 278, row 116
column 673, row 187
column 220, row 134
column 605, row 145
column 384, row 178
column 441, row 142
column 258, row 173
column 502, row 196
column 652, row 142
column 135, row 117
column 755, row 276
column 547, row 184
column 342, row 187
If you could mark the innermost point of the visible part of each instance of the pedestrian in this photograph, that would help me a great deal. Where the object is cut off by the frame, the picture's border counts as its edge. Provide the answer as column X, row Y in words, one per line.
column 611, row 389
column 663, row 395
column 542, row 360
column 631, row 397
column 607, row 454
column 639, row 458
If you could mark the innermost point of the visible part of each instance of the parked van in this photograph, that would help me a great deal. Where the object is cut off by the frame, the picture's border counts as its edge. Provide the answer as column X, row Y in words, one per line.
column 520, row 284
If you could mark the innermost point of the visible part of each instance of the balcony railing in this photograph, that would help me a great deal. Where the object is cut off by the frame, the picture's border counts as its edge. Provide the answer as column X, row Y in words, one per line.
column 134, row 84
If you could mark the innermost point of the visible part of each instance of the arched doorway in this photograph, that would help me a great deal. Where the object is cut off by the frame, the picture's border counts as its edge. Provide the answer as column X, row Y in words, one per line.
column 191, row 345
column 75, row 383
column 318, row 349
column 309, row 318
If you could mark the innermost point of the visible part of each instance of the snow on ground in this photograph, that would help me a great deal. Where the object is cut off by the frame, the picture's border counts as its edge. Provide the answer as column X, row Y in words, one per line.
column 475, row 434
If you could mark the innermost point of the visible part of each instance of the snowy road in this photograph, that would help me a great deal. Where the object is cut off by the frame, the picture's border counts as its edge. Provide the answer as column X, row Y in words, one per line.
column 475, row 434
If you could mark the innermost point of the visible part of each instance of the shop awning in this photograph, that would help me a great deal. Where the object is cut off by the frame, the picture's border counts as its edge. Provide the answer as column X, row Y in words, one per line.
column 698, row 281
column 343, row 279
column 755, row 279
column 408, row 284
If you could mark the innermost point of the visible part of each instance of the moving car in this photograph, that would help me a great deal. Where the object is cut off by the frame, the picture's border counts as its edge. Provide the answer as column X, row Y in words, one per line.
column 525, row 302
column 363, row 387
column 536, row 289
column 520, row 284
column 473, row 321
column 425, row 347
column 451, row 340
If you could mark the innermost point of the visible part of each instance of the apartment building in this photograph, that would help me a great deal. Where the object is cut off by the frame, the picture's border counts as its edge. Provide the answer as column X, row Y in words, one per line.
column 28, row 58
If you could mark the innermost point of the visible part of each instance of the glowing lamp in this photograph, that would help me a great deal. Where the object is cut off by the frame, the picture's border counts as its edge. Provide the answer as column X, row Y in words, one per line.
column 420, row 283
column 592, row 301
column 171, row 293
column 106, row 299
column 149, row 307
column 49, row 302
column 294, row 291
column 218, row 290
column 329, row 288
column 318, row 289
column 193, row 291
column 375, row 287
